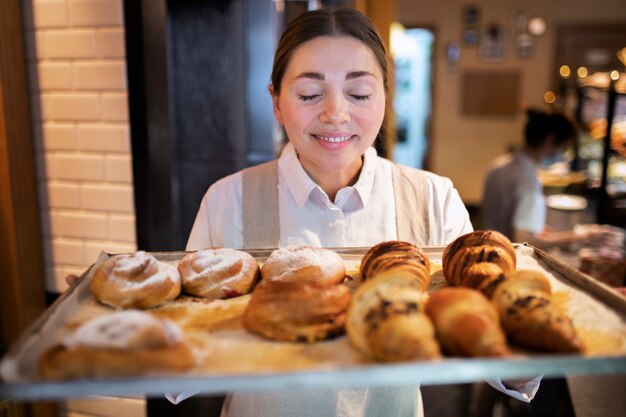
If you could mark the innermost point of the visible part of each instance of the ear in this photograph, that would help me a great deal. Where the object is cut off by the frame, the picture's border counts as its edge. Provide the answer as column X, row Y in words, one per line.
column 275, row 104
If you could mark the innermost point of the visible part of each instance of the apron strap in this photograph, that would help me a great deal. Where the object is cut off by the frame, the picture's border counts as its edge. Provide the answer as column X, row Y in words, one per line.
column 260, row 206
column 411, row 191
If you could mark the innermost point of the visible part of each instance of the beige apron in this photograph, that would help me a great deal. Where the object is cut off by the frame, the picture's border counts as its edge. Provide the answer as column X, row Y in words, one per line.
column 261, row 225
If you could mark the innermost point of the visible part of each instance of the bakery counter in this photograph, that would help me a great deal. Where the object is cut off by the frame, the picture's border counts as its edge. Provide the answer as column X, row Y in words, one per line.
column 233, row 359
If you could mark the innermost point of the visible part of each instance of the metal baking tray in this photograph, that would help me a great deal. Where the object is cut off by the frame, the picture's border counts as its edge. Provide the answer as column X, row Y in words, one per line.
column 20, row 381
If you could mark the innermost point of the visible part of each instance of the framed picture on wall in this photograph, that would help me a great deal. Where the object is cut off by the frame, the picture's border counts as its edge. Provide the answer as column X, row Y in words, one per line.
column 524, row 45
column 470, row 36
column 493, row 42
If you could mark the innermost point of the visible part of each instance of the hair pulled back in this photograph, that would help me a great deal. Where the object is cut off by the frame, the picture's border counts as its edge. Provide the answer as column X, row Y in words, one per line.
column 341, row 21
column 541, row 126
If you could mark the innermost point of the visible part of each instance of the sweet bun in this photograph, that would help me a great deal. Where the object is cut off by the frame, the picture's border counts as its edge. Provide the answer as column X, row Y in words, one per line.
column 218, row 273
column 386, row 320
column 136, row 280
column 297, row 311
column 304, row 264
column 396, row 257
column 123, row 343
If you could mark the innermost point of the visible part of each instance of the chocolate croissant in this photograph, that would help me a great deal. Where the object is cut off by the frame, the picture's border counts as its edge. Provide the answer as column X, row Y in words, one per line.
column 397, row 258
column 479, row 260
column 529, row 316
column 466, row 323
column 386, row 320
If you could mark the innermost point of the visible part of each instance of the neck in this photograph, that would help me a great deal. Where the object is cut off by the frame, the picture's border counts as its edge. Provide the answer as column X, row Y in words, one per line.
column 532, row 153
column 333, row 181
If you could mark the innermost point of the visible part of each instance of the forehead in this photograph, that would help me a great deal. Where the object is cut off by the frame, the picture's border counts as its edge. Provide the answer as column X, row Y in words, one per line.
column 327, row 54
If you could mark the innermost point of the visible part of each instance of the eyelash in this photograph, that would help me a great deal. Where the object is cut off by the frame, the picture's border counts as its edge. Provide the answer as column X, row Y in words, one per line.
column 354, row 96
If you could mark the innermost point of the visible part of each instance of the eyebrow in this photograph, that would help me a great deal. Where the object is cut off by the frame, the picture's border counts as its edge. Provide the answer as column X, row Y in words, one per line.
column 349, row 76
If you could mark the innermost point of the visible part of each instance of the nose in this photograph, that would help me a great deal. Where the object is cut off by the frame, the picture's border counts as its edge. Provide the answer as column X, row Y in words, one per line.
column 335, row 109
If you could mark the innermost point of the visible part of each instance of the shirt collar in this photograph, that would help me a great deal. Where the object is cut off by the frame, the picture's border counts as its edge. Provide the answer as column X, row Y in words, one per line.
column 301, row 186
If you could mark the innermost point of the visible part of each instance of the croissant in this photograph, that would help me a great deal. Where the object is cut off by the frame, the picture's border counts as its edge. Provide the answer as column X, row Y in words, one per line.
column 466, row 323
column 530, row 318
column 396, row 257
column 386, row 320
column 479, row 260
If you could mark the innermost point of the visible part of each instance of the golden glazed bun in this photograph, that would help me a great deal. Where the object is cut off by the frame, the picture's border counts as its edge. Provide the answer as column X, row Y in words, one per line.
column 136, row 280
column 297, row 311
column 304, row 264
column 386, row 320
column 466, row 323
column 479, row 260
column 530, row 317
column 396, row 257
column 123, row 343
column 218, row 273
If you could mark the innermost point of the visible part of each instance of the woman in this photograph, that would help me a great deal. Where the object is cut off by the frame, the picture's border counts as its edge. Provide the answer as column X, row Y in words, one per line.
column 329, row 188
column 513, row 200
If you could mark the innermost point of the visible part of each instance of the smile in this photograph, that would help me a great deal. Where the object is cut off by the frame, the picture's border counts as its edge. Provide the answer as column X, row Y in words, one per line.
column 338, row 139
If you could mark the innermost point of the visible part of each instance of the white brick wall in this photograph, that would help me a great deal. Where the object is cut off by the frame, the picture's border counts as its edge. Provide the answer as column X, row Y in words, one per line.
column 78, row 87
column 77, row 80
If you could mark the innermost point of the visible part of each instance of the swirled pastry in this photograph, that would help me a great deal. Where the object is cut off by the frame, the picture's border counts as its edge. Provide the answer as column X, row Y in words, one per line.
column 466, row 323
column 304, row 264
column 217, row 273
column 297, row 311
column 396, row 257
column 123, row 343
column 136, row 280
column 479, row 260
column 386, row 320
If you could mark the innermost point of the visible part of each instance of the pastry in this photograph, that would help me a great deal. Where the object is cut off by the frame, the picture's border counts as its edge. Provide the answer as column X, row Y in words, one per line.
column 466, row 323
column 530, row 317
column 136, row 280
column 217, row 273
column 123, row 343
column 386, row 320
column 297, row 311
column 479, row 260
column 398, row 258
column 304, row 264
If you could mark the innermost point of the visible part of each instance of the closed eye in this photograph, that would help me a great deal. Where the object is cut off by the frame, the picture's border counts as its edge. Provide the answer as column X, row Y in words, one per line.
column 360, row 97
column 308, row 98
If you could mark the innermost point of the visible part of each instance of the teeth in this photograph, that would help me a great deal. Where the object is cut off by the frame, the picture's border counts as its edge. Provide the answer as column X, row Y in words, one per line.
column 334, row 140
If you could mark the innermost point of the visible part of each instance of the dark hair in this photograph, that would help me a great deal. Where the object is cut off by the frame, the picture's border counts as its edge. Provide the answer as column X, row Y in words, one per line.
column 540, row 126
column 340, row 21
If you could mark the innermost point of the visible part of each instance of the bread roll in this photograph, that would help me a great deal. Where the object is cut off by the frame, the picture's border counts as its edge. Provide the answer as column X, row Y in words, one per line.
column 123, row 343
column 479, row 260
column 297, row 311
column 530, row 318
column 304, row 264
column 386, row 320
column 136, row 280
column 396, row 257
column 466, row 323
column 218, row 273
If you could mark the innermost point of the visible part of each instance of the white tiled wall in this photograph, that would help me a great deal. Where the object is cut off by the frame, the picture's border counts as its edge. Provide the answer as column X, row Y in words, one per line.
column 78, row 89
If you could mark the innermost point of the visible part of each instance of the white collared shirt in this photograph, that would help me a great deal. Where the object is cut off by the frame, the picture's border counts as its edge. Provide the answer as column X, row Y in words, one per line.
column 361, row 215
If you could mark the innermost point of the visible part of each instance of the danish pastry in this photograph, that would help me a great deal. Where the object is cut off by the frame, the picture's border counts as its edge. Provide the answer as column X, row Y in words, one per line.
column 297, row 311
column 396, row 257
column 123, row 343
column 136, row 280
column 386, row 320
column 304, row 264
column 218, row 273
